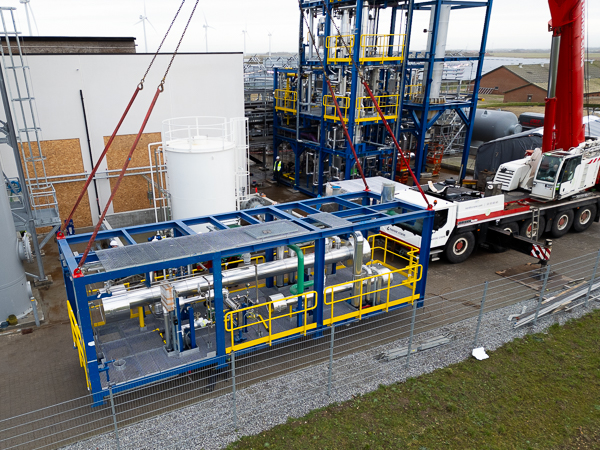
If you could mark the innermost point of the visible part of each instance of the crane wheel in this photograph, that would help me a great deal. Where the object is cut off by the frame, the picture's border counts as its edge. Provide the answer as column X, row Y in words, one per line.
column 562, row 223
column 584, row 217
column 459, row 247
column 526, row 228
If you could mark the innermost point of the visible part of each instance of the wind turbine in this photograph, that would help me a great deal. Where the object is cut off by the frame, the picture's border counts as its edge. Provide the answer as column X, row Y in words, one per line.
column 27, row 11
column 206, row 26
column 245, row 31
column 270, row 34
column 143, row 20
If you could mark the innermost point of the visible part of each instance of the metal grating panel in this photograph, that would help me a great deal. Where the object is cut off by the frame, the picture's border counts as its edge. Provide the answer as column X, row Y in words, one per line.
column 266, row 231
column 200, row 244
column 149, row 251
column 330, row 220
column 147, row 364
column 114, row 258
column 168, row 249
column 137, row 255
column 144, row 341
column 116, row 349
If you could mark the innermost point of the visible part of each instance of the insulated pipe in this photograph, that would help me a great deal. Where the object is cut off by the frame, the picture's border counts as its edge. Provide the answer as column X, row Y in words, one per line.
column 280, row 257
column 359, row 248
column 123, row 299
column 440, row 47
column 291, row 275
column 367, row 292
column 386, row 274
column 300, row 255
column 378, row 284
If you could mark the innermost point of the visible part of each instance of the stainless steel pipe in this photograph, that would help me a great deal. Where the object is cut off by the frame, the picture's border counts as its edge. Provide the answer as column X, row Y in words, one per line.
column 122, row 299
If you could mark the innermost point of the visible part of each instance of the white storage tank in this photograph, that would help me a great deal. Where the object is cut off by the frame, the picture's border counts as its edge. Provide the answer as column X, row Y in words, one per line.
column 15, row 292
column 207, row 167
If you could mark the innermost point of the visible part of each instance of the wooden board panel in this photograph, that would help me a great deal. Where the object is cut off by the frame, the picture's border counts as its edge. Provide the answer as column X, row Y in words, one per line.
column 133, row 190
column 63, row 157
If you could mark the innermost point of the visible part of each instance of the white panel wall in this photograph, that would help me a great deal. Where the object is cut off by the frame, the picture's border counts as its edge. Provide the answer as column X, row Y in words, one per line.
column 197, row 85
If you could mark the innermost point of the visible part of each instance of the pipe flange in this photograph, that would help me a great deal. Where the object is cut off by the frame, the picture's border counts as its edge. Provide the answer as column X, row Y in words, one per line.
column 24, row 248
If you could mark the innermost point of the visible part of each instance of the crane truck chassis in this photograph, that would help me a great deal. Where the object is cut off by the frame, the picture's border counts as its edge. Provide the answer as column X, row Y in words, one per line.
column 466, row 218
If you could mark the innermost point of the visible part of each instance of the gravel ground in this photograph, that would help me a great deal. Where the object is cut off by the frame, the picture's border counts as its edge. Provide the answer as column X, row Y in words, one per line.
column 209, row 424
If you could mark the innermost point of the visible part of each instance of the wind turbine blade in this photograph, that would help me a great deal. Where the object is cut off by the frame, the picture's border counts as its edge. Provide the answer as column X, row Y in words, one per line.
column 205, row 21
column 33, row 17
column 150, row 23
column 139, row 21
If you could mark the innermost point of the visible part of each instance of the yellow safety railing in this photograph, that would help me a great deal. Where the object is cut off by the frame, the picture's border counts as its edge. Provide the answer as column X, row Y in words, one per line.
column 366, row 111
column 410, row 259
column 409, row 276
column 373, row 48
column 338, row 46
column 413, row 90
column 285, row 100
column 256, row 259
column 330, row 111
column 79, row 344
column 381, row 47
column 251, row 313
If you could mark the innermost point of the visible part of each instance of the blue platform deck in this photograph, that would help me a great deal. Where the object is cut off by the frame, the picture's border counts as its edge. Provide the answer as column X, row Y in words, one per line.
column 143, row 351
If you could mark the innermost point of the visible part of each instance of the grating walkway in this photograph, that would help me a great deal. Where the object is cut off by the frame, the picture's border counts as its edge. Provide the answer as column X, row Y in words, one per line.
column 199, row 244
column 143, row 351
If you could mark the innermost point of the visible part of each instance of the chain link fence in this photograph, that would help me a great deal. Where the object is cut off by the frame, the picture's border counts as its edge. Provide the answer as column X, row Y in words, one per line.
column 211, row 407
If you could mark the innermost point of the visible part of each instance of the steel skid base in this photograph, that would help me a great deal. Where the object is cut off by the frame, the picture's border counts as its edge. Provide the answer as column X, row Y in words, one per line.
column 260, row 232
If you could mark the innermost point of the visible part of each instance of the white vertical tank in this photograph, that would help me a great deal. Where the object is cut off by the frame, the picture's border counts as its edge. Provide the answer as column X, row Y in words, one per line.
column 15, row 292
column 206, row 159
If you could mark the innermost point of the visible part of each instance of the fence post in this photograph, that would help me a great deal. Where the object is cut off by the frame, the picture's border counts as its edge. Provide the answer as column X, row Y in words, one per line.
column 114, row 414
column 412, row 330
column 587, row 297
column 330, row 360
column 542, row 292
column 235, row 421
column 485, row 289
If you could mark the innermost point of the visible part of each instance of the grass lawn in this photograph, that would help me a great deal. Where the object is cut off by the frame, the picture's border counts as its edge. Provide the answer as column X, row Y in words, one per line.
column 541, row 392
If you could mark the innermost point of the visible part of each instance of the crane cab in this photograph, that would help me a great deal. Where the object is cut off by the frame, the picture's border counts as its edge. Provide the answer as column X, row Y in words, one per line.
column 558, row 175
column 561, row 174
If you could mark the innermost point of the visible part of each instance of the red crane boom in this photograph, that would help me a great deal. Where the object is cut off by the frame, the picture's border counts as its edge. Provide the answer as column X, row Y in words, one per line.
column 563, row 127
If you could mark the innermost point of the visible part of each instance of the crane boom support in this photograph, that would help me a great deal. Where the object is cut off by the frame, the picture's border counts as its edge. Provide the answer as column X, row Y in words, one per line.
column 568, row 23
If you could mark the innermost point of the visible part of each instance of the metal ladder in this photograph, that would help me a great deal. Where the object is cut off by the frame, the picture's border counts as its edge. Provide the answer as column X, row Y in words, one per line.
column 535, row 223
column 41, row 192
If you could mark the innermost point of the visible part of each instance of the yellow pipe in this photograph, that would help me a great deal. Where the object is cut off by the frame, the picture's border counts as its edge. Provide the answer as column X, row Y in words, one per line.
column 141, row 316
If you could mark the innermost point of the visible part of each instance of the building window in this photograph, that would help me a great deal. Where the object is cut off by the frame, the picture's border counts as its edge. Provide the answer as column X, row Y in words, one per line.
column 529, row 97
column 496, row 88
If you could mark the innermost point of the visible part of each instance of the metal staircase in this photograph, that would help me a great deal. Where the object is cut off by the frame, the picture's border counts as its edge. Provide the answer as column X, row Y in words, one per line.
column 42, row 195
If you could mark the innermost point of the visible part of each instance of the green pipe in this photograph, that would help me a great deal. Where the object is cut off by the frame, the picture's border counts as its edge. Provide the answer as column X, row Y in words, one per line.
column 307, row 284
column 300, row 255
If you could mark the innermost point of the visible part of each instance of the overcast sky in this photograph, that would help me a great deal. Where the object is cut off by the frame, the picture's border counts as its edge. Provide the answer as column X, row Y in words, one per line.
column 515, row 23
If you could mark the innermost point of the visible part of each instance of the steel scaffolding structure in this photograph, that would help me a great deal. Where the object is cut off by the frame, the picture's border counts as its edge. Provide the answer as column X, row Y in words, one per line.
column 343, row 39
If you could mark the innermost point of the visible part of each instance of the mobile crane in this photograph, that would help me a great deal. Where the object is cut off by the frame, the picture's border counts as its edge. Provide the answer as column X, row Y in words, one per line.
column 553, row 189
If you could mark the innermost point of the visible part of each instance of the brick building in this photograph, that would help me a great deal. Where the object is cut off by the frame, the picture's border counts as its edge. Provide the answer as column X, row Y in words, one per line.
column 529, row 82
column 68, row 44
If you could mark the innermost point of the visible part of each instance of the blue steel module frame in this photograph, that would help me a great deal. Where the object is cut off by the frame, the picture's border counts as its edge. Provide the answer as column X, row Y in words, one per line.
column 409, row 113
column 362, row 212
column 465, row 109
